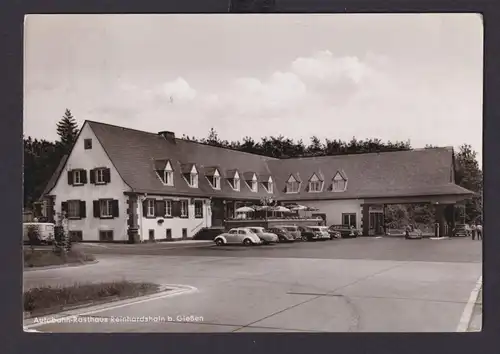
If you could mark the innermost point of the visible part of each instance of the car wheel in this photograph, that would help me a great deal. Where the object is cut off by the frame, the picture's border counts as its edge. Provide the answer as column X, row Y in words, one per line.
column 247, row 242
column 219, row 242
column 304, row 238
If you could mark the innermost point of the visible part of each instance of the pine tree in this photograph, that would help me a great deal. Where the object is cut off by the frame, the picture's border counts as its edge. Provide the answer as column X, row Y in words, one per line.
column 67, row 129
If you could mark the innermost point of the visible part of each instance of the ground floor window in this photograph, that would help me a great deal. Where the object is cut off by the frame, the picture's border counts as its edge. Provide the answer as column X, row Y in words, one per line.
column 105, row 235
column 74, row 209
column 349, row 219
column 198, row 209
column 106, row 208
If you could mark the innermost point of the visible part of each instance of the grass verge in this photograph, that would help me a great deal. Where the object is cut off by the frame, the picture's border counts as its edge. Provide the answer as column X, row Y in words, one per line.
column 44, row 258
column 46, row 300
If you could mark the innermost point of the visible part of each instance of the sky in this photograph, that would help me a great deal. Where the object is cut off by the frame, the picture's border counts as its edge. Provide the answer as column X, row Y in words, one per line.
column 397, row 77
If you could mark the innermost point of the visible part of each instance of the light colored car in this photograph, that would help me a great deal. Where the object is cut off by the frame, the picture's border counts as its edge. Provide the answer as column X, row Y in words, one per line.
column 44, row 230
column 239, row 235
column 266, row 237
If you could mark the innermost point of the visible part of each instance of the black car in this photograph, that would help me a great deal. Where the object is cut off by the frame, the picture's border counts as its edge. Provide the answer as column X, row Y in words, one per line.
column 312, row 233
column 282, row 233
column 345, row 230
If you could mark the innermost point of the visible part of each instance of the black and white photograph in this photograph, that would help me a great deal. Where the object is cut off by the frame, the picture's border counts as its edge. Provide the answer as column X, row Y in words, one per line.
column 253, row 173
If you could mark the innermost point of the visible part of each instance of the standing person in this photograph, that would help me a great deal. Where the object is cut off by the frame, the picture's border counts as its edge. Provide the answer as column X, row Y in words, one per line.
column 479, row 229
column 473, row 231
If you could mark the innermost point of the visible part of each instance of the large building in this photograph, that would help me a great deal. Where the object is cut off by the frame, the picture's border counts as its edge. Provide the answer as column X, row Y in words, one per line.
column 121, row 184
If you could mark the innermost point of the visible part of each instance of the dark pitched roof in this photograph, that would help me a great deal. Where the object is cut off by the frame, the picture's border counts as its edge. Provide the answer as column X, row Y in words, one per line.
column 247, row 176
column 401, row 173
column 133, row 153
column 55, row 176
column 137, row 154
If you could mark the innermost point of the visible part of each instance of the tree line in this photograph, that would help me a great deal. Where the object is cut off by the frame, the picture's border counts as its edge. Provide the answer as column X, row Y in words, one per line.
column 41, row 158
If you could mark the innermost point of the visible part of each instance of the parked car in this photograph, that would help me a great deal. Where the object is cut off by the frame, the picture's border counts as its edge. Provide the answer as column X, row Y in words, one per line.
column 333, row 233
column 239, row 235
column 462, row 230
column 293, row 230
column 345, row 230
column 283, row 234
column 265, row 237
column 311, row 233
column 45, row 232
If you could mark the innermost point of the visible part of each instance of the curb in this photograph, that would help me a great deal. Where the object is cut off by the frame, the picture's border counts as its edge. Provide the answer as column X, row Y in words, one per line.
column 466, row 318
column 167, row 290
column 32, row 269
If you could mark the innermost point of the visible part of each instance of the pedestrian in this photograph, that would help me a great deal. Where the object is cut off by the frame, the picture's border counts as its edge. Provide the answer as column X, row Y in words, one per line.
column 479, row 229
column 473, row 231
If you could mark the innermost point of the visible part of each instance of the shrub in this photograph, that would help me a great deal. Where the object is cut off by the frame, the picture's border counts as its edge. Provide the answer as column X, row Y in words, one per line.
column 42, row 258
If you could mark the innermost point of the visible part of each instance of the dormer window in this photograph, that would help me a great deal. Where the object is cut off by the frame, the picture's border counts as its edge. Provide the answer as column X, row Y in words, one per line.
column 214, row 180
column 234, row 182
column 339, row 183
column 191, row 176
column 268, row 185
column 315, row 184
column 292, row 185
column 193, row 180
column 252, row 182
column 166, row 175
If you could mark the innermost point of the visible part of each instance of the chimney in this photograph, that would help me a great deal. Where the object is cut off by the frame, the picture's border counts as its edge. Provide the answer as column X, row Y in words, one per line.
column 168, row 136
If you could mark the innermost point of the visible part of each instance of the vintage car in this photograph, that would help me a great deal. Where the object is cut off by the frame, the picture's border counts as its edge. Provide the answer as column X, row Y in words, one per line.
column 239, row 235
column 462, row 230
column 293, row 230
column 345, row 230
column 283, row 234
column 265, row 237
column 312, row 233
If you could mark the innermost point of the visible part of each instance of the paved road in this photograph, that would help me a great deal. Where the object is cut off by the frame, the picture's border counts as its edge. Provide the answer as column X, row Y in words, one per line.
column 334, row 286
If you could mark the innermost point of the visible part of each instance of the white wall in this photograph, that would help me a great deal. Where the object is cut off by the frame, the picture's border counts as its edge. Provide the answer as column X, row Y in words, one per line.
column 176, row 224
column 335, row 208
column 89, row 159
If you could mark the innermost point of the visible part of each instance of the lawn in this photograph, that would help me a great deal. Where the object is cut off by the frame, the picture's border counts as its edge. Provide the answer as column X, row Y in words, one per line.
column 43, row 258
column 47, row 299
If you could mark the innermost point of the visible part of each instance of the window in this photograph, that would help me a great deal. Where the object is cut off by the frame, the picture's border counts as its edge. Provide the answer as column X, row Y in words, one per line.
column 77, row 177
column 150, row 208
column 99, row 175
column 74, row 209
column 232, row 232
column 198, row 208
column 214, row 181
column 168, row 208
column 315, row 186
column 106, row 235
column 87, row 144
column 193, row 180
column 268, row 186
column 184, row 208
column 168, row 178
column 253, row 185
column 106, row 208
column 349, row 219
column 339, row 183
column 292, row 187
column 235, row 183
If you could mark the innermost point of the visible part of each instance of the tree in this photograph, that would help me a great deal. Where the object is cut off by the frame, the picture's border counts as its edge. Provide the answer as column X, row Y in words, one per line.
column 67, row 129
column 469, row 175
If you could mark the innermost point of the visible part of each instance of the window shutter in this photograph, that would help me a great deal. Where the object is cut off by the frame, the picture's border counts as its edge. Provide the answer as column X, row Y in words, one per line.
column 114, row 206
column 64, row 207
column 83, row 174
column 145, row 207
column 176, row 208
column 97, row 212
column 70, row 177
column 107, row 175
column 160, row 208
column 92, row 176
column 83, row 211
